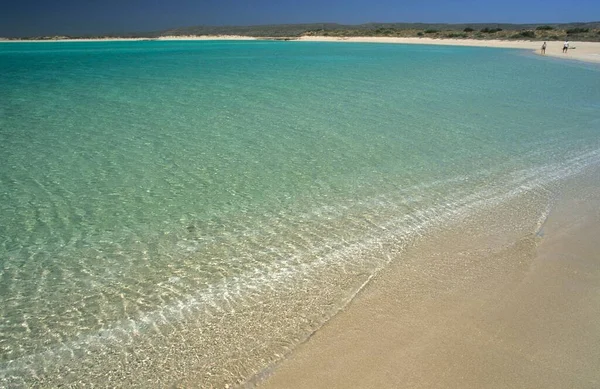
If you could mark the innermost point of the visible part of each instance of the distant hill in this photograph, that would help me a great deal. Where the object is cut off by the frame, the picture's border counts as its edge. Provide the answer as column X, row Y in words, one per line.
column 384, row 29
column 589, row 31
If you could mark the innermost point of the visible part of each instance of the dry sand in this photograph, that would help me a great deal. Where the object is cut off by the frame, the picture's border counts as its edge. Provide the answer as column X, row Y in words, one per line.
column 207, row 38
column 162, row 38
column 474, row 308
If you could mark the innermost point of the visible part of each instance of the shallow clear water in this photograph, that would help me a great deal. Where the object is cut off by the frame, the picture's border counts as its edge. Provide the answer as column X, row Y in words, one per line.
column 157, row 191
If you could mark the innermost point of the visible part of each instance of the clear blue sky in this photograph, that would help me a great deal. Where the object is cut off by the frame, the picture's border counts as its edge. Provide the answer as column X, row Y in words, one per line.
column 50, row 17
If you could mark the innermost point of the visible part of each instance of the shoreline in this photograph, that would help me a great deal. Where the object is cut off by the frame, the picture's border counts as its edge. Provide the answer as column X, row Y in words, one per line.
column 140, row 39
column 579, row 51
column 472, row 308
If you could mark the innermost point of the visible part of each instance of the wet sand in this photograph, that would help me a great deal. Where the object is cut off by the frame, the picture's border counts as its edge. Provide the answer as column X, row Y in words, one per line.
column 478, row 307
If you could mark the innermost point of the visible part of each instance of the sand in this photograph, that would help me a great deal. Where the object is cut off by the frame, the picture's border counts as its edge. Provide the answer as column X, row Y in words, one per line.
column 207, row 38
column 162, row 38
column 474, row 308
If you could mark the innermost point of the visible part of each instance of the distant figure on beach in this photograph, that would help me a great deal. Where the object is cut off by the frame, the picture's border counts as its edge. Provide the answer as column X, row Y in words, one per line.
column 544, row 48
column 566, row 46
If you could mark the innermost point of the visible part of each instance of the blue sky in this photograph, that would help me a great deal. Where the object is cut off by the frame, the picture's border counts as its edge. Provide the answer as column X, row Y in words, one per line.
column 48, row 17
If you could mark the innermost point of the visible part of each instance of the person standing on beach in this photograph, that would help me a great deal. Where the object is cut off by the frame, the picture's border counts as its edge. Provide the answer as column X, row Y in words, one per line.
column 566, row 46
column 544, row 48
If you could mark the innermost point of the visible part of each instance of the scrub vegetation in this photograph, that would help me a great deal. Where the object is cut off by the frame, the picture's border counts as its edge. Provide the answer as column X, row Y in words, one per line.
column 573, row 31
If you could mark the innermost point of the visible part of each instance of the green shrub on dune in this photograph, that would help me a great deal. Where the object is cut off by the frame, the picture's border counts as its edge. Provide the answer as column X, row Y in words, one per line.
column 488, row 30
column 527, row 34
column 577, row 30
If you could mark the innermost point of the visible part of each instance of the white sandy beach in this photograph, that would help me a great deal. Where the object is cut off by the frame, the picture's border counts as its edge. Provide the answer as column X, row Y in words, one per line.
column 162, row 38
column 206, row 38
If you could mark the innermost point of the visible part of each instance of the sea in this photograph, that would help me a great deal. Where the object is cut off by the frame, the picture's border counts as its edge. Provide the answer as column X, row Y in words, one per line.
column 185, row 213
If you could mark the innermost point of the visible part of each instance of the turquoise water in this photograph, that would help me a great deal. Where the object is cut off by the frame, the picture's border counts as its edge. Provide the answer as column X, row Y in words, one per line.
column 187, row 211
